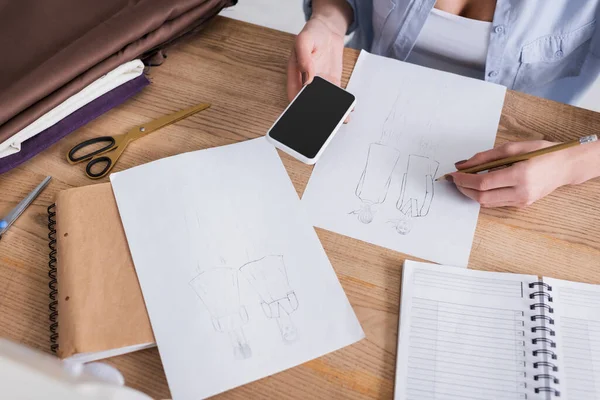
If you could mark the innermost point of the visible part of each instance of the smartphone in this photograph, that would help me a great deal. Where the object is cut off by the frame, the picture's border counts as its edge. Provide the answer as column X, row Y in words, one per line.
column 311, row 120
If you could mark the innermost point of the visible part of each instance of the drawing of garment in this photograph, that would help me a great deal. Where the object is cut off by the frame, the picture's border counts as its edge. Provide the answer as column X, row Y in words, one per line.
column 377, row 175
column 417, row 186
column 375, row 180
column 219, row 291
column 278, row 300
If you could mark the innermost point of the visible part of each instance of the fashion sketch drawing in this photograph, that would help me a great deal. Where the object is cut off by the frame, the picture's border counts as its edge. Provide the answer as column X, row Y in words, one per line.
column 374, row 183
column 218, row 288
column 417, row 192
column 269, row 279
column 383, row 159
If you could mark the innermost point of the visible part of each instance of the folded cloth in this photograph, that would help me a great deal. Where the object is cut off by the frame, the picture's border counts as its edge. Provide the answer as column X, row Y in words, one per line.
column 117, row 77
column 56, row 48
column 75, row 120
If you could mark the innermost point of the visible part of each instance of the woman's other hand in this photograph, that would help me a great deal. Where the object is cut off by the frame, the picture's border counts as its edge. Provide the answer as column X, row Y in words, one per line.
column 319, row 48
column 525, row 182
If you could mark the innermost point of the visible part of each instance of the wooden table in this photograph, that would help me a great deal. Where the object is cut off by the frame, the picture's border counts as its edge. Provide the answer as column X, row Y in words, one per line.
column 241, row 70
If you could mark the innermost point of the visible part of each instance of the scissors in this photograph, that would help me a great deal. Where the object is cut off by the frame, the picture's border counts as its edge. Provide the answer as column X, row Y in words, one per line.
column 21, row 207
column 115, row 145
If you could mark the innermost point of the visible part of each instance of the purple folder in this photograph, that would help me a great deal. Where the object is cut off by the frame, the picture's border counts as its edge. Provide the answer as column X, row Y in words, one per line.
column 77, row 119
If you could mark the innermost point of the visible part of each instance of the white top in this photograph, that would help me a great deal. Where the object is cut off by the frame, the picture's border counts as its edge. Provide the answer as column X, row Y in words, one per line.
column 452, row 43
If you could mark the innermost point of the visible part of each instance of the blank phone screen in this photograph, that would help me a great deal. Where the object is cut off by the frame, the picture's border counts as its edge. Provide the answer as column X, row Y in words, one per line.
column 312, row 117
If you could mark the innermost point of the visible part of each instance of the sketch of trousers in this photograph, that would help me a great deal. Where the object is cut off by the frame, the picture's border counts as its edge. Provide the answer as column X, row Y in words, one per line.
column 375, row 180
column 278, row 300
column 218, row 289
column 417, row 186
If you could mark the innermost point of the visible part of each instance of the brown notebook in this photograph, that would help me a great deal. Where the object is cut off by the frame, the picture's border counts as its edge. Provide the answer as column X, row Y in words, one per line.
column 100, row 308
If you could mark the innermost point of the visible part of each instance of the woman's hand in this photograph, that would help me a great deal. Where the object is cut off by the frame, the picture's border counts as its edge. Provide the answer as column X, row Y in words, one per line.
column 319, row 48
column 520, row 184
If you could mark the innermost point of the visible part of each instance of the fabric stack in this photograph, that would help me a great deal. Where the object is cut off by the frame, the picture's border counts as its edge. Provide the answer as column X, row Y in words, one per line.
column 70, row 61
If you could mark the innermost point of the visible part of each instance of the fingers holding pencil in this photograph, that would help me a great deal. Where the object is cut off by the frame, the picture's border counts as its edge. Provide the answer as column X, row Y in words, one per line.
column 504, row 151
column 520, row 149
column 516, row 185
column 500, row 155
column 520, row 173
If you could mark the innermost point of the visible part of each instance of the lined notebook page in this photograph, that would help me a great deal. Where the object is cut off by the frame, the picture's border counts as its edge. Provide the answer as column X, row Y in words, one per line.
column 577, row 321
column 463, row 335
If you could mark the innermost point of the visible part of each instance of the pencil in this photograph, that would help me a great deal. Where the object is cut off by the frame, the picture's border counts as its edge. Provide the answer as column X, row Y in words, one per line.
column 505, row 162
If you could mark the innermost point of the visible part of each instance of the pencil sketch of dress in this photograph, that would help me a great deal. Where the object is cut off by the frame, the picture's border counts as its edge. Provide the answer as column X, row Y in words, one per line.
column 417, row 186
column 417, row 192
column 374, row 183
column 218, row 288
column 268, row 277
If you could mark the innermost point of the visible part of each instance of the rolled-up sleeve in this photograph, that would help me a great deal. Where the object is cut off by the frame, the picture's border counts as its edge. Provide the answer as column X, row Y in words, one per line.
column 353, row 3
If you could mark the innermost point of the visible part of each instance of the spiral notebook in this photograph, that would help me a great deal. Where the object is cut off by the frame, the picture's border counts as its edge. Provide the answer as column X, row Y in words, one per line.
column 468, row 334
column 96, row 305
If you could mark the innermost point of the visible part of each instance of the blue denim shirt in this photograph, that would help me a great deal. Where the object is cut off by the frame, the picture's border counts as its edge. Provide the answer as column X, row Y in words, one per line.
column 535, row 45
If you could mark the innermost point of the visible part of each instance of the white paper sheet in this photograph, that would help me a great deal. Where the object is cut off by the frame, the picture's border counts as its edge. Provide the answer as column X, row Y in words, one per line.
column 375, row 181
column 576, row 322
column 235, row 280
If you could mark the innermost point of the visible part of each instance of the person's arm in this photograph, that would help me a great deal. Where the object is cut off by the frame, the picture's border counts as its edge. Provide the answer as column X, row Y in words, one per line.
column 337, row 14
column 528, row 181
column 319, row 48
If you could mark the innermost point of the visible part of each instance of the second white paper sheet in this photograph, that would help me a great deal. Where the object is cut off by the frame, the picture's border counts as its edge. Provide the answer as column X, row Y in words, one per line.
column 235, row 280
column 376, row 180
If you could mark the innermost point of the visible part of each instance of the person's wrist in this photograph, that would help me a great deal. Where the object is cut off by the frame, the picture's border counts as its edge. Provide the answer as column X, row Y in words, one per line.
column 334, row 26
column 582, row 163
column 571, row 170
column 336, row 16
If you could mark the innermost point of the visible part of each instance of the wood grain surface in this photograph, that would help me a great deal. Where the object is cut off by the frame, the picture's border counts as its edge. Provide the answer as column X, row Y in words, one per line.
column 241, row 69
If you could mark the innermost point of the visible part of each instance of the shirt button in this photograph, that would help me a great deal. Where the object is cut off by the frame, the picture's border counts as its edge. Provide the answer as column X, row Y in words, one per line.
column 499, row 29
column 559, row 54
column 493, row 74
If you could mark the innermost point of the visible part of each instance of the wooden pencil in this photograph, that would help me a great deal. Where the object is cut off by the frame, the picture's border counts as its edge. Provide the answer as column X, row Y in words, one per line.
column 505, row 162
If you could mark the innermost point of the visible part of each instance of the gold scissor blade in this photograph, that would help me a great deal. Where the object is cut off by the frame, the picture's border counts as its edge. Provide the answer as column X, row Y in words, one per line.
column 161, row 122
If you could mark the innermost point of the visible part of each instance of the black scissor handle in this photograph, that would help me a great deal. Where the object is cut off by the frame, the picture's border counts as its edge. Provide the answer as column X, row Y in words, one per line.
column 108, row 139
column 98, row 175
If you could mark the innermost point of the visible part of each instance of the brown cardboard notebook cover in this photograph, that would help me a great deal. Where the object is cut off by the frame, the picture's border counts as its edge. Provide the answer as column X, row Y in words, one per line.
column 100, row 304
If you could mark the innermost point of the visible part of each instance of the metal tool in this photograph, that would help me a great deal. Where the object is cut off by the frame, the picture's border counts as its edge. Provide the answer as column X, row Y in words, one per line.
column 115, row 145
column 21, row 207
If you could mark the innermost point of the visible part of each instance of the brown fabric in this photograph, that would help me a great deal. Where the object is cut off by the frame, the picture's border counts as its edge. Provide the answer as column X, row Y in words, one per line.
column 53, row 49
column 100, row 303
